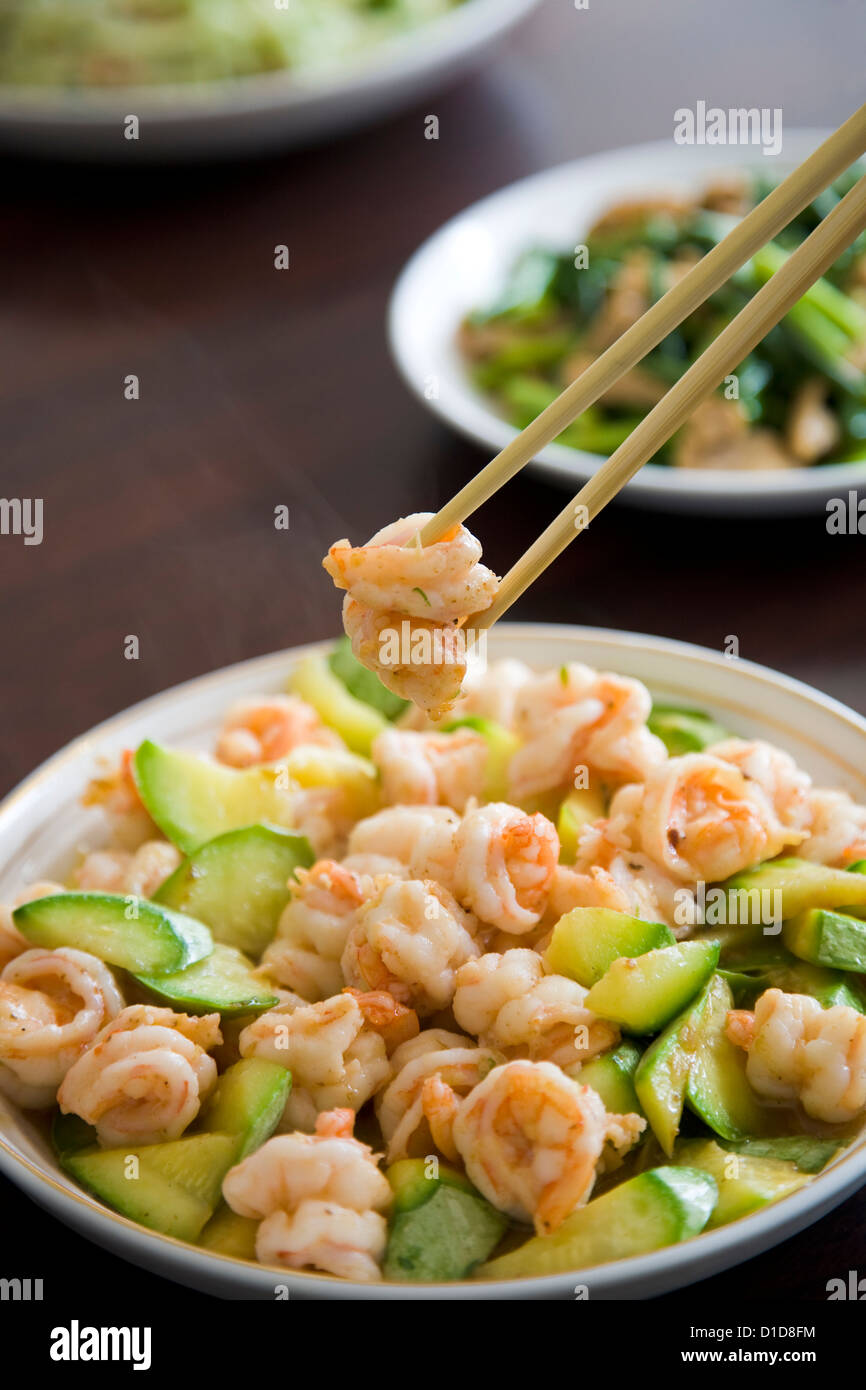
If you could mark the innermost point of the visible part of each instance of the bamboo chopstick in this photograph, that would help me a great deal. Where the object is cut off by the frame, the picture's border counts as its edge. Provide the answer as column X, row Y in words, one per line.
column 760, row 226
column 805, row 265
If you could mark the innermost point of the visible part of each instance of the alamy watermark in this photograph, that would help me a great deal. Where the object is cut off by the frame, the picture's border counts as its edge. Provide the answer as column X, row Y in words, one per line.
column 410, row 645
column 716, row 907
column 740, row 125
column 22, row 516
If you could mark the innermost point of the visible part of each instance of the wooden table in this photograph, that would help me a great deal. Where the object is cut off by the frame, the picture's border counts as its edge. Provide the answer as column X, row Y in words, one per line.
column 261, row 388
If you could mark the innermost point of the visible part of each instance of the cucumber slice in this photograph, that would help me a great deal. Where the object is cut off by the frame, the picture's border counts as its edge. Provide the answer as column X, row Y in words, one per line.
column 193, row 799
column 663, row 1072
column 587, row 940
column 717, row 1089
column 829, row 987
column 70, row 1134
column 642, row 994
column 444, row 1238
column 827, row 938
column 684, row 730
column 238, row 884
column 363, row 684
column 748, row 948
column 413, row 1185
column 502, row 744
column 612, row 1077
column 648, row 1212
column 745, row 1182
column 805, row 1151
column 580, row 808
column 127, row 932
column 229, row 1234
column 249, row 1101
column 357, row 722
column 172, row 1188
column 221, row 983
column 799, row 883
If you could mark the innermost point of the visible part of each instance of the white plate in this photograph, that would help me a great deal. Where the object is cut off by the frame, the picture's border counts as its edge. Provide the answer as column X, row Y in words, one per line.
column 271, row 111
column 42, row 823
column 466, row 262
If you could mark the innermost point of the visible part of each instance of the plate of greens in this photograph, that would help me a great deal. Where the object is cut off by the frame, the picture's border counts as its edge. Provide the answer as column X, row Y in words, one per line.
column 512, row 299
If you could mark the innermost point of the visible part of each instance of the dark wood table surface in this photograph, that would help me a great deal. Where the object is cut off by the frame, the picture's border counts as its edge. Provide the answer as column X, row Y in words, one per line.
column 260, row 388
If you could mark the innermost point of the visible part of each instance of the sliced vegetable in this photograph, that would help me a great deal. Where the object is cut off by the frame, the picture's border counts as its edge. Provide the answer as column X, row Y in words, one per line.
column 745, row 1182
column 172, row 1188
column 684, row 730
column 587, row 940
column 502, row 744
column 806, row 1151
column 580, row 808
column 227, row 1233
column 717, row 1089
column 648, row 1212
column 414, row 1181
column 443, row 1238
column 791, row 886
column 249, row 1101
column 128, row 932
column 239, row 883
column 355, row 720
column 223, row 982
column 612, row 1077
column 827, row 938
column 363, row 684
column 662, row 1074
column 642, row 994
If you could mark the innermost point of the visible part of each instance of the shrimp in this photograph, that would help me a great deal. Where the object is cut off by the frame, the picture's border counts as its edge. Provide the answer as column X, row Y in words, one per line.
column 12, row 943
column 413, row 1112
column 531, row 1140
column 417, row 659
column 336, row 1059
column 267, row 727
column 52, row 1005
column 607, row 872
column 700, row 818
column 492, row 692
column 144, row 1077
column 394, row 572
column 837, row 833
column 509, row 1003
column 801, row 1052
column 775, row 772
column 431, row 769
column 419, row 837
column 319, row 1198
column 115, row 791
column 578, row 717
column 120, row 871
column 504, row 865
column 394, row 1023
column 410, row 938
column 311, row 934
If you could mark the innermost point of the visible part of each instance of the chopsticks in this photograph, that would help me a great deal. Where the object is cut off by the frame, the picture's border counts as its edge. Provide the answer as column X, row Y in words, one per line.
column 772, row 301
column 761, row 225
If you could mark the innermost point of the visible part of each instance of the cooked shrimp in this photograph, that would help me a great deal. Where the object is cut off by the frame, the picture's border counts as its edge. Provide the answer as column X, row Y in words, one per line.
column 775, row 772
column 504, row 865
column 311, row 934
column 837, row 834
column 531, row 1139
column 120, row 871
column 144, row 1077
column 12, row 943
column 394, row 572
column 431, row 769
column 319, row 1198
column 700, row 818
column 801, row 1052
column 410, row 938
column 336, row 1058
column 115, row 791
column 608, row 872
column 417, row 659
column 419, row 837
column 577, row 717
column 491, row 692
column 508, row 1002
column 266, row 728
column 412, row 1113
column 52, row 1005
column 394, row 1023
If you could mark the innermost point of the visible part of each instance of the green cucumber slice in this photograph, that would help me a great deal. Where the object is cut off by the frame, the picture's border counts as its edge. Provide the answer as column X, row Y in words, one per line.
column 130, row 933
column 502, row 744
column 223, row 982
column 355, row 720
column 717, row 1090
column 827, row 938
column 662, row 1074
column 229, row 1234
column 363, row 684
column 799, row 884
column 442, row 1239
column 413, row 1184
column 655, row 1209
column 642, row 994
column 587, row 940
column 745, row 1182
column 579, row 809
column 611, row 1076
column 249, row 1101
column 684, row 730
column 806, row 1151
column 238, row 884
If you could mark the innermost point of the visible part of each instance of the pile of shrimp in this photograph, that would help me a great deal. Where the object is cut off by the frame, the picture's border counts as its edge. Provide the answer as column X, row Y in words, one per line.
column 408, row 962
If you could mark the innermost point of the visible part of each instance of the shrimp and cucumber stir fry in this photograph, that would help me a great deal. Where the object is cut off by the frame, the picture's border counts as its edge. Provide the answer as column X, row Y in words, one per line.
column 564, row 977
column 799, row 399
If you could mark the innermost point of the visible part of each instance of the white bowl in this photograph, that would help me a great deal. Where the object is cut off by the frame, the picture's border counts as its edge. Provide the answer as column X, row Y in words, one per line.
column 42, row 823
column 464, row 265
column 264, row 112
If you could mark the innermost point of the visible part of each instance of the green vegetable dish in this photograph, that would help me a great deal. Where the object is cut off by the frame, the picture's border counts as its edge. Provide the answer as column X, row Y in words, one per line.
column 389, row 1000
column 799, row 399
column 127, row 43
